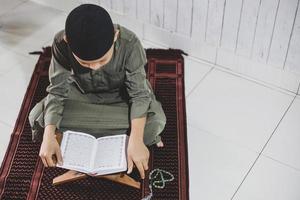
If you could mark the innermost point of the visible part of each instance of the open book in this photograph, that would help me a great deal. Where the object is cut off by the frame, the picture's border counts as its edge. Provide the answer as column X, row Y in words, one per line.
column 84, row 153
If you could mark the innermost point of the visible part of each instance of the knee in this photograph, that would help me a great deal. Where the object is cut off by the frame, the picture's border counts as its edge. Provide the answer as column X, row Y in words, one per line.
column 35, row 113
column 155, row 123
column 36, row 121
column 152, row 131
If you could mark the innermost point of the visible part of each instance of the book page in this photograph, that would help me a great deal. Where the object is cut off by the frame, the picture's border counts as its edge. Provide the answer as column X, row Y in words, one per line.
column 77, row 150
column 110, row 152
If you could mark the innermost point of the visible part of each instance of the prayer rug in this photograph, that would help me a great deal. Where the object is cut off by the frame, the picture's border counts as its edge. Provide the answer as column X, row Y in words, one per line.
column 23, row 175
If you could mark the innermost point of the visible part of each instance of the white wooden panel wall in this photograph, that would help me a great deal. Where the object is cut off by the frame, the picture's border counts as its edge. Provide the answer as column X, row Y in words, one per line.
column 143, row 10
column 184, row 17
column 264, row 29
column 170, row 15
column 293, row 59
column 247, row 27
column 199, row 22
column 256, row 38
column 282, row 31
column 157, row 12
column 130, row 8
column 230, row 24
column 214, row 21
column 118, row 6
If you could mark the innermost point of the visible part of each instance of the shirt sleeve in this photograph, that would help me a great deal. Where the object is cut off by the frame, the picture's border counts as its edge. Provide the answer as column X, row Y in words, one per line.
column 137, row 85
column 58, row 87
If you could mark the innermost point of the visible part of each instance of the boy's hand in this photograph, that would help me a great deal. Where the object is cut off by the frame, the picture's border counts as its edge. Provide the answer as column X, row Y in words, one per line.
column 138, row 154
column 50, row 147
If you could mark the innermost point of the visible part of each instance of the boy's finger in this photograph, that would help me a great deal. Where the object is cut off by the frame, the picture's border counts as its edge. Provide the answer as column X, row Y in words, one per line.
column 59, row 157
column 140, row 167
column 130, row 165
column 54, row 159
column 50, row 161
column 44, row 162
column 145, row 164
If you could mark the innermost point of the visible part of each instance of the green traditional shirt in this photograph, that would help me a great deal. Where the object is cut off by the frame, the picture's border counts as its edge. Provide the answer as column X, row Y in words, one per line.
column 122, row 79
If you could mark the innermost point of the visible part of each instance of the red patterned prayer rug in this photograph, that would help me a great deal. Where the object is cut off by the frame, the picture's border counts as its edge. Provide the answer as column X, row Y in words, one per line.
column 23, row 175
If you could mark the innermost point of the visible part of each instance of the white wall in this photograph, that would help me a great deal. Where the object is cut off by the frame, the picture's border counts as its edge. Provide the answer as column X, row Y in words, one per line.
column 259, row 39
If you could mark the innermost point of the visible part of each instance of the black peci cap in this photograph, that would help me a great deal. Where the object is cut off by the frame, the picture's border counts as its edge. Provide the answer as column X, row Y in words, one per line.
column 89, row 31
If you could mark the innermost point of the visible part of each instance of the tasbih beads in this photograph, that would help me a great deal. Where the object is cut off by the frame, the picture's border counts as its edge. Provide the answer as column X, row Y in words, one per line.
column 160, row 183
column 160, row 172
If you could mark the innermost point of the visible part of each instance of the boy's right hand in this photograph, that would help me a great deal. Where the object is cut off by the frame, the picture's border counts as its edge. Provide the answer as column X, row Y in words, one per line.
column 50, row 147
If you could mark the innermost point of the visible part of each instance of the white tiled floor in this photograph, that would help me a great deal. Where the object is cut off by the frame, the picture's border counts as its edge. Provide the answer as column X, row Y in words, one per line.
column 243, row 137
column 216, row 166
column 284, row 145
column 270, row 180
column 236, row 109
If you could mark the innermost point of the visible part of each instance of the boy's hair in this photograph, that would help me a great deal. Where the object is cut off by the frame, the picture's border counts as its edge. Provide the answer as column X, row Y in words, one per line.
column 89, row 31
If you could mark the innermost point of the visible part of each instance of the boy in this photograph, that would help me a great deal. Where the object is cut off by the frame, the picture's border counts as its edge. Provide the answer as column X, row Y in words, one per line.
column 98, row 85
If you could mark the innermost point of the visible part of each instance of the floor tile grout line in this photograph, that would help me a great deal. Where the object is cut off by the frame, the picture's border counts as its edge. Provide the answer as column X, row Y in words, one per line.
column 258, row 82
column 199, row 82
column 260, row 153
column 244, row 77
column 239, row 145
column 201, row 60
column 281, row 162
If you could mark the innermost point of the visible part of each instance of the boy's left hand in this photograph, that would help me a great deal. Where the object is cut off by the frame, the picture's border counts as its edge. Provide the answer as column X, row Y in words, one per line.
column 138, row 154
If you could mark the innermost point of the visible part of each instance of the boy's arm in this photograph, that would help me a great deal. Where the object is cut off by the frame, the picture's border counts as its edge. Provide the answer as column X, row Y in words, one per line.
column 137, row 86
column 58, row 87
column 140, row 97
column 54, row 104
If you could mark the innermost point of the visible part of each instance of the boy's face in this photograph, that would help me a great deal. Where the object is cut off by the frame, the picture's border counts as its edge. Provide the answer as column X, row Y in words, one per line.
column 98, row 63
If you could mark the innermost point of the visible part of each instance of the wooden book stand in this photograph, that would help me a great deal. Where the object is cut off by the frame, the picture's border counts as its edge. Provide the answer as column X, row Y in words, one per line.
column 72, row 175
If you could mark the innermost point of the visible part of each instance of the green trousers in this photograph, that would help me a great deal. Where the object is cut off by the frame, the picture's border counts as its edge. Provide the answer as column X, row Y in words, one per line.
column 81, row 114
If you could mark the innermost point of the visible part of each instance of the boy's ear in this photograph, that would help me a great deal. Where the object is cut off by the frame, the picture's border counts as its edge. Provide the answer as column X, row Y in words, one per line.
column 116, row 34
column 65, row 39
